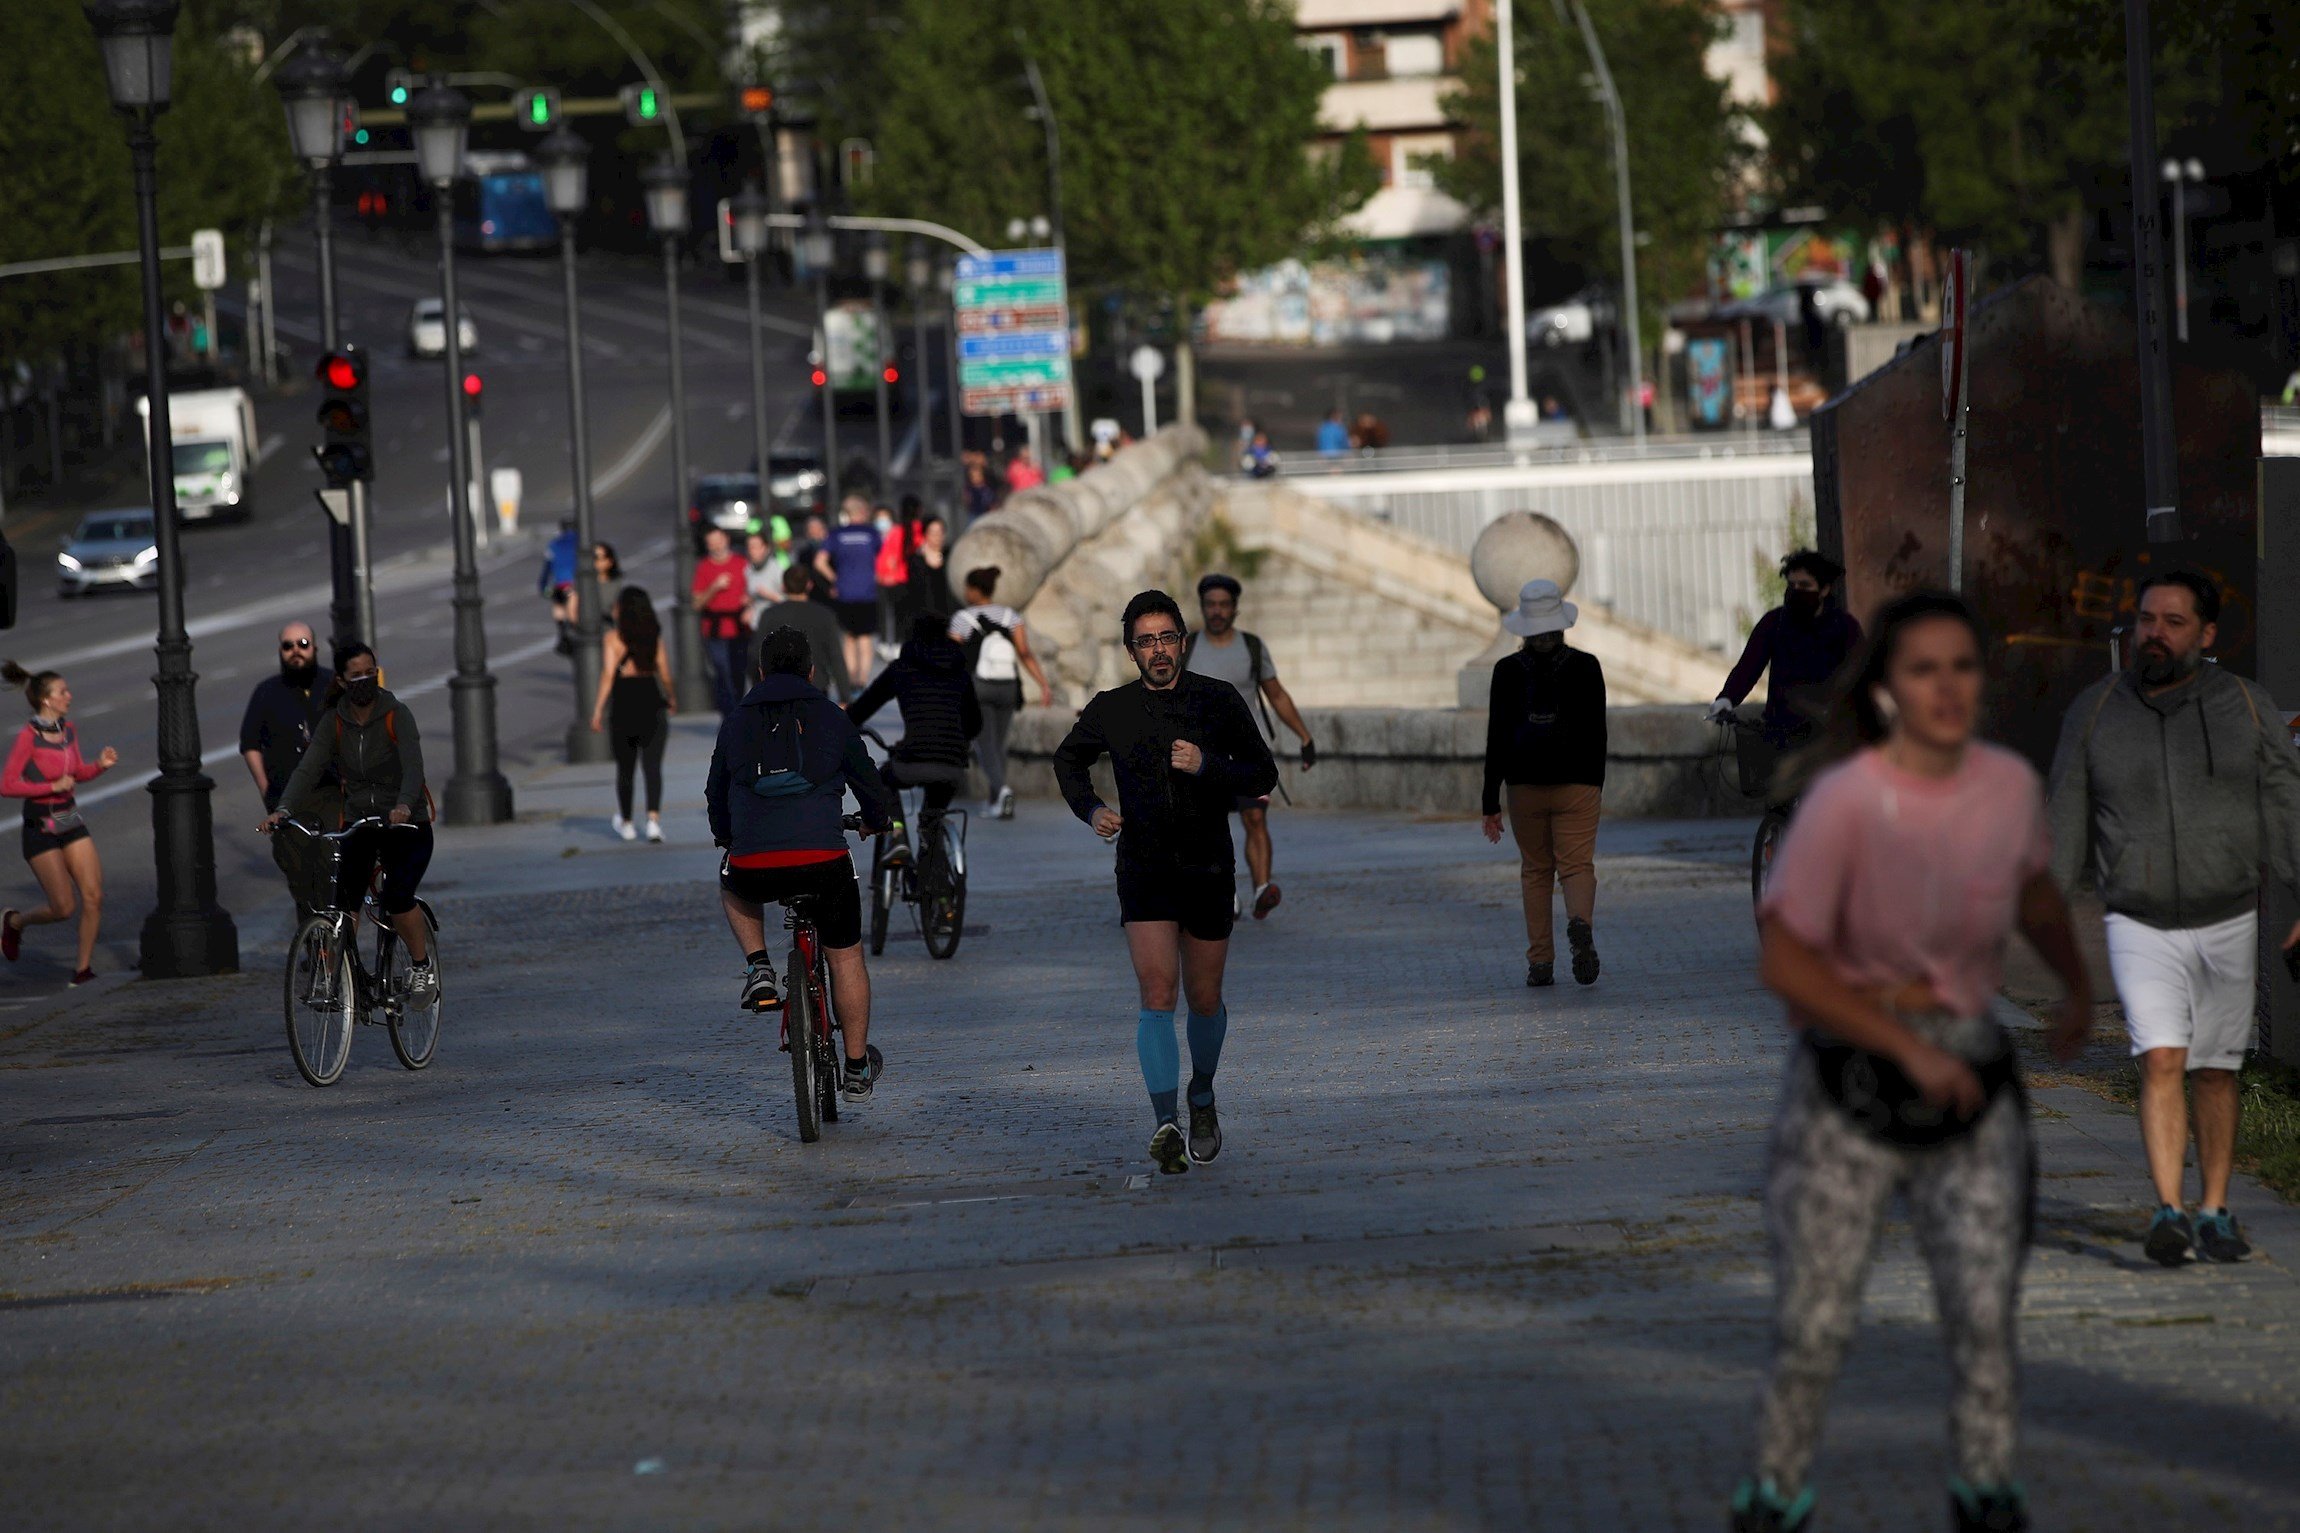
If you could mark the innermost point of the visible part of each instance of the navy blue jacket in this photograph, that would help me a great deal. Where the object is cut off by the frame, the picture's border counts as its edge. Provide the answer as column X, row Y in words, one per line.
column 743, row 822
column 1804, row 654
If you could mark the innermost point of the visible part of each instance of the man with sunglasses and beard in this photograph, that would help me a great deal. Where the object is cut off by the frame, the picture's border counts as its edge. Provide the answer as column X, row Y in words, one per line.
column 1183, row 750
column 2173, row 783
column 274, row 733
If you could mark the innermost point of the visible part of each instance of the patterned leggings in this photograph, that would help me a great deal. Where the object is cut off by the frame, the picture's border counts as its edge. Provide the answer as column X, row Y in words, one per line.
column 1827, row 1185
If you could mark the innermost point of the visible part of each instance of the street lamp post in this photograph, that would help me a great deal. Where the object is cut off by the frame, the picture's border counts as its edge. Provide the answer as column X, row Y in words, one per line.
column 665, row 183
column 1631, row 325
column 946, row 281
column 567, row 188
column 2182, row 174
column 187, row 933
column 2159, row 448
column 818, row 249
column 312, row 89
column 1519, row 417
column 917, row 272
column 478, row 793
column 875, row 269
column 750, row 210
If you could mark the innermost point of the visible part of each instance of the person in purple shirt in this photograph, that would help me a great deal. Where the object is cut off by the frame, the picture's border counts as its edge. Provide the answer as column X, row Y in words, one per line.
column 849, row 560
column 1804, row 640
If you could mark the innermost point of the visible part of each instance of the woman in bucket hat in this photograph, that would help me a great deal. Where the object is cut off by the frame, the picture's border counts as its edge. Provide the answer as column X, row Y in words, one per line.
column 1545, row 742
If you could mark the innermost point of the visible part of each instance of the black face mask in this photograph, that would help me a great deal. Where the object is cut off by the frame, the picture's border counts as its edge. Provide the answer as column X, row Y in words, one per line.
column 362, row 690
column 298, row 673
column 1801, row 604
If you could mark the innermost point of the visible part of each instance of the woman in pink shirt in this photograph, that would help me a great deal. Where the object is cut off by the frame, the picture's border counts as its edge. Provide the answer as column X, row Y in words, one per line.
column 1909, row 864
column 44, row 766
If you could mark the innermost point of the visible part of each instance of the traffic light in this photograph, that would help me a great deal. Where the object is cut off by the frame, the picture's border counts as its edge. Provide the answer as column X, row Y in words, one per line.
column 347, row 453
column 757, row 100
column 474, row 396
column 398, row 86
column 642, row 105
column 536, row 109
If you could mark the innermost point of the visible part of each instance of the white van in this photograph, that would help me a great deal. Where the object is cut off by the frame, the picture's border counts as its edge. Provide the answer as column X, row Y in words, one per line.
column 214, row 450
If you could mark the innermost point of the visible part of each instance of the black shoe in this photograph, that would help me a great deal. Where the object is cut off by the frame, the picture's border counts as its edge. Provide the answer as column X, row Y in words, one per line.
column 1205, row 1132
column 1539, row 974
column 2003, row 1509
column 877, row 1060
column 2169, row 1237
column 759, row 992
column 2218, row 1239
column 1578, row 938
column 1167, row 1150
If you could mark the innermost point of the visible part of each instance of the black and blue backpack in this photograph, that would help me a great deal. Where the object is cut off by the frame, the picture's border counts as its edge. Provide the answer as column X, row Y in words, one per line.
column 779, row 767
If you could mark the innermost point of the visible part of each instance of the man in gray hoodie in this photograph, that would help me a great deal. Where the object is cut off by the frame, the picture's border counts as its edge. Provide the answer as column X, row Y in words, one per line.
column 2174, row 781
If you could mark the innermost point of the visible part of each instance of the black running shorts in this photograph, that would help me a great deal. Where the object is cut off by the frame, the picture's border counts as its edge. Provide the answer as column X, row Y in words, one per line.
column 830, row 885
column 1201, row 900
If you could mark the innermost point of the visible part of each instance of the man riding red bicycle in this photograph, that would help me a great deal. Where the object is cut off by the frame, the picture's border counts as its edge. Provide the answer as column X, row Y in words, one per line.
column 786, row 756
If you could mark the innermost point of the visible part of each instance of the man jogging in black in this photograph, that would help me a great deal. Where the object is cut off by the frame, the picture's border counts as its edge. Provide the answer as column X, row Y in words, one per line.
column 1184, row 750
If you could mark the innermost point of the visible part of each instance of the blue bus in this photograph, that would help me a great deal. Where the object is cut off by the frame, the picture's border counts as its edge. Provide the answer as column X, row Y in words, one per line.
column 499, row 205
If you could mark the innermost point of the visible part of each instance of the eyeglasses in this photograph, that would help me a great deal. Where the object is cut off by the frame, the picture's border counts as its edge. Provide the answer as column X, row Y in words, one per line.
column 1145, row 643
column 295, row 644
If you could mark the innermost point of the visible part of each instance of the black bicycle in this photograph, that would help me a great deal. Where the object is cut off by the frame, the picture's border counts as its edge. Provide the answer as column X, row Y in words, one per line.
column 1757, row 760
column 329, row 991
column 929, row 877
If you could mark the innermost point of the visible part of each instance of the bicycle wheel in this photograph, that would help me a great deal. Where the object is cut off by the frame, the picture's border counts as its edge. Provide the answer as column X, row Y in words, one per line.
column 799, row 1025
column 882, row 895
column 941, row 905
column 414, row 1031
column 1761, row 851
column 322, row 1001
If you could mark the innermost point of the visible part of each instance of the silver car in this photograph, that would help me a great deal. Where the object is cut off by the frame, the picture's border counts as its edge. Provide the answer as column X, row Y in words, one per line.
column 427, row 336
column 110, row 549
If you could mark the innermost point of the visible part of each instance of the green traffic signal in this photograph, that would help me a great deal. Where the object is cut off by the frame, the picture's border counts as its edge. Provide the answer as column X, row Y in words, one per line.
column 360, row 137
column 399, row 95
column 539, row 110
column 649, row 107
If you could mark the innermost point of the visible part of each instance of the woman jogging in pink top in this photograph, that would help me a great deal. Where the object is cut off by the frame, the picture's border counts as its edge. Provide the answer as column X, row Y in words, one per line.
column 44, row 767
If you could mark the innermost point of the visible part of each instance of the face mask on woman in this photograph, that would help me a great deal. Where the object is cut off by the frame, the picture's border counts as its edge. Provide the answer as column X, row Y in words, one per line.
column 362, row 690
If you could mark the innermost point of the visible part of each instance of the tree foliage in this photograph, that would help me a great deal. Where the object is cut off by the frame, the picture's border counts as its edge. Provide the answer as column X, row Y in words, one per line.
column 1685, row 148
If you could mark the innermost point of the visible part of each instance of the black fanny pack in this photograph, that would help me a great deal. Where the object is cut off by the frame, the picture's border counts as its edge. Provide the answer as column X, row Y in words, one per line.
column 1884, row 1102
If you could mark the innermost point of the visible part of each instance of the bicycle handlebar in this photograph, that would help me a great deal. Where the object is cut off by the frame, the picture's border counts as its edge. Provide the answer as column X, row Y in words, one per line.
column 873, row 736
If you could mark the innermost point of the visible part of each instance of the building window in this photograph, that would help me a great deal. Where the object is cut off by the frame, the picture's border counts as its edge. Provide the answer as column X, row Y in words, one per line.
column 1411, row 156
column 1332, row 50
column 1409, row 54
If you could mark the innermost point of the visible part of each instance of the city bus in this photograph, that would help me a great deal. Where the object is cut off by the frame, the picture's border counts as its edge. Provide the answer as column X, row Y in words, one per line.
column 499, row 204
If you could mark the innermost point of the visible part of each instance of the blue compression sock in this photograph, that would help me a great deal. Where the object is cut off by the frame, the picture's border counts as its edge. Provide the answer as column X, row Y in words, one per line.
column 1161, row 1061
column 1206, row 1035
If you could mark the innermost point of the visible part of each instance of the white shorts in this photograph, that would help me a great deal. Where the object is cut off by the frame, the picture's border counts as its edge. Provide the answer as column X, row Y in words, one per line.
column 2187, row 988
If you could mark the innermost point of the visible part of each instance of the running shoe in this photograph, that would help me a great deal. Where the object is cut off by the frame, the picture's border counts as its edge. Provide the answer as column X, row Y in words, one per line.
column 1005, row 806
column 1167, row 1150
column 1579, row 938
column 854, row 1085
column 877, row 1061
column 2169, row 1236
column 1540, row 974
column 759, row 992
column 11, row 936
column 422, row 985
column 1205, row 1132
column 1266, row 900
column 626, row 829
column 2218, row 1239
column 1759, row 1507
column 655, row 831
column 1998, row 1509
column 82, row 978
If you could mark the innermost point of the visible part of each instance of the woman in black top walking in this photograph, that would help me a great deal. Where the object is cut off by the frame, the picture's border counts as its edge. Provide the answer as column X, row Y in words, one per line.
column 635, row 696
column 1545, row 740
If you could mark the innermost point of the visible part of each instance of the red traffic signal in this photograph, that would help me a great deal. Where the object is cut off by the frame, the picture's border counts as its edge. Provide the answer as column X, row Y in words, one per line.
column 893, row 375
column 819, row 377
column 346, row 456
column 344, row 369
column 472, row 387
column 757, row 100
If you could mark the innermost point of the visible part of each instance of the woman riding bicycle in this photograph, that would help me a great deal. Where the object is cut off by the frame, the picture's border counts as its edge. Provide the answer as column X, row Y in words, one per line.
column 370, row 738
column 1803, row 642
column 1884, row 928
column 940, row 715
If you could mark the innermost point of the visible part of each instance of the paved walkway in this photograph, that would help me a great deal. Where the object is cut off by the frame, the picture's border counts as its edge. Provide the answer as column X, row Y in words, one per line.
column 1474, row 1257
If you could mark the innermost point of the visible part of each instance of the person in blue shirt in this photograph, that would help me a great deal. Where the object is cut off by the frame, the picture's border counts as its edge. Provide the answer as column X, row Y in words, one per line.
column 849, row 560
column 557, row 581
column 1333, row 436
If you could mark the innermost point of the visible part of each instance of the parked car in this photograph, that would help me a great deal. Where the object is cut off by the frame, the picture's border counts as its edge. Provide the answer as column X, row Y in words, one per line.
column 427, row 336
column 108, row 549
column 1574, row 322
column 795, row 483
column 729, row 502
column 1835, row 300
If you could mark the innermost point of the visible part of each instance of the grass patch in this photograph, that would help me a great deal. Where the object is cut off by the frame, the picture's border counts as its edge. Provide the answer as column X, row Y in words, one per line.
column 2268, row 1134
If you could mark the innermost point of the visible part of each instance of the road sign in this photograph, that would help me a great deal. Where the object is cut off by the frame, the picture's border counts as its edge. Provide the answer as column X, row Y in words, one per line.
column 1147, row 363
column 208, row 259
column 1954, row 301
column 1013, row 312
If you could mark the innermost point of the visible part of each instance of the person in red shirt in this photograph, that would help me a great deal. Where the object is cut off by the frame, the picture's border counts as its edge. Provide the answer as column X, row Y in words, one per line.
column 722, row 596
column 1023, row 472
column 44, row 766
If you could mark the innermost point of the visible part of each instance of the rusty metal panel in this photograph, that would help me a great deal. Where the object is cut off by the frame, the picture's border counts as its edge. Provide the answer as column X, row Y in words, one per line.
column 2054, row 532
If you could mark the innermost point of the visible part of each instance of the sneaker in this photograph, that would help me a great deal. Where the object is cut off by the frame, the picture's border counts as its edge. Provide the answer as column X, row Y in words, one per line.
column 1205, row 1132
column 626, row 829
column 1167, row 1150
column 1266, row 900
column 82, row 978
column 854, row 1085
column 898, row 847
column 759, row 992
column 422, row 985
column 1540, row 974
column 2218, row 1239
column 1584, row 945
column 1761, row 1508
column 1005, row 807
column 877, row 1060
column 11, row 936
column 2168, row 1237
column 655, row 831
column 1999, row 1509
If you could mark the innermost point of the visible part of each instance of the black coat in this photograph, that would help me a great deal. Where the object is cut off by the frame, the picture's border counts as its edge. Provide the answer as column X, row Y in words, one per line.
column 1545, row 723
column 1174, row 820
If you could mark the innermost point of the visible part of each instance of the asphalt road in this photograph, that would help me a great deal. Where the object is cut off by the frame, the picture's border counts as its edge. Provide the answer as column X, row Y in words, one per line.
column 243, row 580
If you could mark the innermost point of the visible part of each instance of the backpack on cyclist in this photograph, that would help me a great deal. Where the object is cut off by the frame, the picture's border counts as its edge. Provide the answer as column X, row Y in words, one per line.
column 779, row 761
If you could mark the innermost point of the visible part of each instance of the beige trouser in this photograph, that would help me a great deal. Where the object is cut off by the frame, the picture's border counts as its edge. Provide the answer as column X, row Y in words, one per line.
column 1556, row 830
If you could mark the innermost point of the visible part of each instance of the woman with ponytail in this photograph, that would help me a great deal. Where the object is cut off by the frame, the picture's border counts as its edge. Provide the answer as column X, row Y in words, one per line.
column 44, row 767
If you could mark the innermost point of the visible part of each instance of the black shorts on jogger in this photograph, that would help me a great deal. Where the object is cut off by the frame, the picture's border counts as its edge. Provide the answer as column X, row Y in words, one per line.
column 1201, row 900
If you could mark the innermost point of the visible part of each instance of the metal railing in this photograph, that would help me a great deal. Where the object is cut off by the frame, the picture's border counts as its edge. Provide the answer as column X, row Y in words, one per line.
column 1566, row 448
